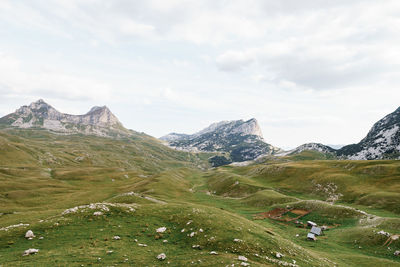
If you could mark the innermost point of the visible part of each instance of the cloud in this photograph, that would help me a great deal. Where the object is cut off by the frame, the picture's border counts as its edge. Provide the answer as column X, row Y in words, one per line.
column 234, row 60
column 312, row 66
column 53, row 83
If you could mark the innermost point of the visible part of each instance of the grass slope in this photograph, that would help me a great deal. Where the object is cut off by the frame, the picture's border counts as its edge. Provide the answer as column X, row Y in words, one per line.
column 149, row 186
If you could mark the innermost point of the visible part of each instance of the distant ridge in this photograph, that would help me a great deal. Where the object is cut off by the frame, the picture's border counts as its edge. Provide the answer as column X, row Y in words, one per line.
column 381, row 142
column 98, row 121
column 240, row 140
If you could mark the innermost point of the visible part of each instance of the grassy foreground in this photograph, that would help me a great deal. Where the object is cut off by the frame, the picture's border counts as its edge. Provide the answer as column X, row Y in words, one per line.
column 141, row 185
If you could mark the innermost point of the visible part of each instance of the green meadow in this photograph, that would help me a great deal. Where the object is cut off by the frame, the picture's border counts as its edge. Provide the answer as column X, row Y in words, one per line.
column 209, row 213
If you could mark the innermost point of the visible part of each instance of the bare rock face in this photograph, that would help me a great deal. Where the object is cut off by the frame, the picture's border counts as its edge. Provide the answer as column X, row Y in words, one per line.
column 98, row 121
column 30, row 251
column 241, row 140
column 381, row 142
column 29, row 234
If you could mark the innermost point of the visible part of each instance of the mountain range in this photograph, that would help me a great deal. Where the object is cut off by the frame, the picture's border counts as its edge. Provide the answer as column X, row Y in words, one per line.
column 98, row 121
column 239, row 140
column 231, row 141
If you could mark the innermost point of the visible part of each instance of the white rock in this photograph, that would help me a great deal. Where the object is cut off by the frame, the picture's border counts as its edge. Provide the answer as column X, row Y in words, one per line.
column 278, row 255
column 109, row 251
column 161, row 256
column 397, row 253
column 116, row 237
column 30, row 251
column 192, row 234
column 201, row 230
column 142, row 245
column 242, row 258
column 244, row 264
column 383, row 233
column 41, row 237
column 161, row 229
column 165, row 241
column 97, row 213
column 29, row 234
column 213, row 253
column 237, row 240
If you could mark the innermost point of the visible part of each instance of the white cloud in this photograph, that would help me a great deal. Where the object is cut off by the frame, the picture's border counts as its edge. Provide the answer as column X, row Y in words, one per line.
column 313, row 67
column 234, row 60
column 48, row 82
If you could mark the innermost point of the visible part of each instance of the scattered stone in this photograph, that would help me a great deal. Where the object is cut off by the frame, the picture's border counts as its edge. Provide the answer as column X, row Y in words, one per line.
column 142, row 245
column 189, row 222
column 13, row 226
column 183, row 230
column 237, row 240
column 116, row 237
column 97, row 213
column 383, row 233
column 161, row 256
column 397, row 253
column 201, row 230
column 196, row 247
column 244, row 263
column 213, row 253
column 30, row 251
column 278, row 255
column 165, row 241
column 41, row 237
column 242, row 258
column 192, row 234
column 161, row 229
column 109, row 251
column 29, row 235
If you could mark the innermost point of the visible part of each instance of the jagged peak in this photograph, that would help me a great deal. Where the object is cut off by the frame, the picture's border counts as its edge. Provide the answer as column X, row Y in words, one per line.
column 99, row 108
column 39, row 103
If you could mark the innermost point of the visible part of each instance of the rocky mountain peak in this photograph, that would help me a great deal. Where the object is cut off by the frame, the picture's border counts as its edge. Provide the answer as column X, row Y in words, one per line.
column 242, row 140
column 382, row 141
column 99, row 120
column 250, row 127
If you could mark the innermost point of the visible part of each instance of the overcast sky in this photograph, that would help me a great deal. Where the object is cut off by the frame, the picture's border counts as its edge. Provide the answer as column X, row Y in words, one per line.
column 308, row 71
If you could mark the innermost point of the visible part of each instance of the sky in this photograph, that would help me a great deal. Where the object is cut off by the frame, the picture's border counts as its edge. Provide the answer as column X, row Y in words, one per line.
column 308, row 71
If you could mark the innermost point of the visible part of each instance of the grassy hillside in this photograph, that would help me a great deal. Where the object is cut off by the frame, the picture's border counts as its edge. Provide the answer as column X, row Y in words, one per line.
column 142, row 185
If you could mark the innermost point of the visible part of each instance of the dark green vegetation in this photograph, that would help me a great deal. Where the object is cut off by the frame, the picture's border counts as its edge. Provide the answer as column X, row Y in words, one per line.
column 149, row 186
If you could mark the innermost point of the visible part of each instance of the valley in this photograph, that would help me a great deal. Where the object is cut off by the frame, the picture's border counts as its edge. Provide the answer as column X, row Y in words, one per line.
column 203, row 209
column 95, row 193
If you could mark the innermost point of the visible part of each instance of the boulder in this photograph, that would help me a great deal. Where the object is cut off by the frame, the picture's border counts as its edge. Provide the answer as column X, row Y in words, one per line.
column 242, row 258
column 30, row 251
column 161, row 229
column 29, row 234
column 161, row 256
